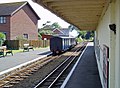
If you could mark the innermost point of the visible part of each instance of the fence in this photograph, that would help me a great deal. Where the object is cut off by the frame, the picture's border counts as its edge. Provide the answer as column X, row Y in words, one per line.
column 18, row 44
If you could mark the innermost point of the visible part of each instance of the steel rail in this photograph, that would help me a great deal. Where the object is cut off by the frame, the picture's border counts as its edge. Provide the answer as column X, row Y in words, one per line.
column 24, row 72
column 61, row 72
column 40, row 83
column 65, row 68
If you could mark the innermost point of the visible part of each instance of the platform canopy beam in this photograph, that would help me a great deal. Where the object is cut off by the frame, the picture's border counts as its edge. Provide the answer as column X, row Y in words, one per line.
column 84, row 14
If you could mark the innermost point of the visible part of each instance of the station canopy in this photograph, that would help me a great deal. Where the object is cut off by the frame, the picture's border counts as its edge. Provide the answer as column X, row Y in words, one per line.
column 84, row 14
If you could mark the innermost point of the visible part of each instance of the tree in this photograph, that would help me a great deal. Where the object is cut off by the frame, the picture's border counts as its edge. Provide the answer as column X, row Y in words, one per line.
column 46, row 23
column 2, row 38
column 2, row 35
column 72, row 27
column 55, row 25
column 47, row 28
column 43, row 32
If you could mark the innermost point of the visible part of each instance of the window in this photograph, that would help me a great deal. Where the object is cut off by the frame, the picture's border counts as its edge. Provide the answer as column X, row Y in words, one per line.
column 2, row 20
column 25, row 36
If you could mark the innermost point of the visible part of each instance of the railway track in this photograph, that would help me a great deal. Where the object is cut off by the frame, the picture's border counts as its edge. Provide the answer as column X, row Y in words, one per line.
column 13, row 78
column 58, row 75
column 18, row 75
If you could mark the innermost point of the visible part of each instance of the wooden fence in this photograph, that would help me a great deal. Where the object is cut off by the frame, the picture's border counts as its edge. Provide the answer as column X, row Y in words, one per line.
column 18, row 44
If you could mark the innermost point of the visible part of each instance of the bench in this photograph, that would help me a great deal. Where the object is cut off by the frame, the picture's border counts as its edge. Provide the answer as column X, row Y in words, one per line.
column 4, row 51
column 27, row 47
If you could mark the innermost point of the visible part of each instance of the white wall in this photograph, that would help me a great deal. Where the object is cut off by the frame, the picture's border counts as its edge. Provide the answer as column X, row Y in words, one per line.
column 117, row 43
column 106, row 36
column 102, row 36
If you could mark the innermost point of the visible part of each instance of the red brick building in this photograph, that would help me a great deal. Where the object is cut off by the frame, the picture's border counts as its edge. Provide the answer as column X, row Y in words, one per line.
column 18, row 20
column 46, row 37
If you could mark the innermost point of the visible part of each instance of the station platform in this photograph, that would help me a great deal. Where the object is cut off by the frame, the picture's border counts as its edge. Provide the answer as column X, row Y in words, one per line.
column 85, row 72
column 9, row 62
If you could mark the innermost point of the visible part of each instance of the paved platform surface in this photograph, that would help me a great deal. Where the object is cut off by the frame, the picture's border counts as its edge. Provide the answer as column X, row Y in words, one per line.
column 86, row 74
column 9, row 62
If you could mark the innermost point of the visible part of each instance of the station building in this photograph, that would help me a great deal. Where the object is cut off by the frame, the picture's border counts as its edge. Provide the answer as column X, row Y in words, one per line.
column 102, row 16
column 107, row 45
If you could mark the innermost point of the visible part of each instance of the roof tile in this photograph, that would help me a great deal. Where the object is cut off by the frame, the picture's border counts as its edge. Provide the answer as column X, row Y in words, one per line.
column 9, row 8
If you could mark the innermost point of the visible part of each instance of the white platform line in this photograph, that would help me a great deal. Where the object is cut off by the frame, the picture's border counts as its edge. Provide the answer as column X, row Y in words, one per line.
column 71, row 72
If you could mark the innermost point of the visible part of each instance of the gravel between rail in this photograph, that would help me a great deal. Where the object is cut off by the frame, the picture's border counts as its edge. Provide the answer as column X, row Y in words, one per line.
column 33, row 79
column 39, row 75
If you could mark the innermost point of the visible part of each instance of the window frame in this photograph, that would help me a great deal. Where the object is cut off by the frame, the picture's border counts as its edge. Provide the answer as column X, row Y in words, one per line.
column 3, row 20
column 25, row 36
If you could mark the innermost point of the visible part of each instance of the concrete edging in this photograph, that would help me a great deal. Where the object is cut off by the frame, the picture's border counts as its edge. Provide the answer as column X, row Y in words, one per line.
column 9, row 71
column 71, row 72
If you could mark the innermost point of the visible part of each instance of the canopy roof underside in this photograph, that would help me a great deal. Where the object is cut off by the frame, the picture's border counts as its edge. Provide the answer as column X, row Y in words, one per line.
column 84, row 14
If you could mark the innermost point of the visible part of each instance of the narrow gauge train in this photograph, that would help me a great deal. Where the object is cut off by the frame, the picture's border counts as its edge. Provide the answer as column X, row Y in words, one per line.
column 60, row 44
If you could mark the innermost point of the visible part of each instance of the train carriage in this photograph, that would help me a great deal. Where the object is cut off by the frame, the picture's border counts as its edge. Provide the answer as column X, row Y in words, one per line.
column 59, row 44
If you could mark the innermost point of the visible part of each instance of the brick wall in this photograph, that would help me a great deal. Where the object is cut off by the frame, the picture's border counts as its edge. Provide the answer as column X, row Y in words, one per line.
column 5, row 27
column 46, row 36
column 24, row 22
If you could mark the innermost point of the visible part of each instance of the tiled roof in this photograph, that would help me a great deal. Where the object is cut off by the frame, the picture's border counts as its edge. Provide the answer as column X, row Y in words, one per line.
column 65, row 31
column 58, row 31
column 10, row 8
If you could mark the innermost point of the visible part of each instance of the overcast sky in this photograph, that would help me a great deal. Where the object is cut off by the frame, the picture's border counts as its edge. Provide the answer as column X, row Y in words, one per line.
column 44, row 14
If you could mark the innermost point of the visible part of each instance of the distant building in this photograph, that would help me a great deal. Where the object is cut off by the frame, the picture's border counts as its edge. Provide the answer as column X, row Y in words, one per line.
column 57, row 31
column 46, row 37
column 61, row 32
column 18, row 19
column 65, row 32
